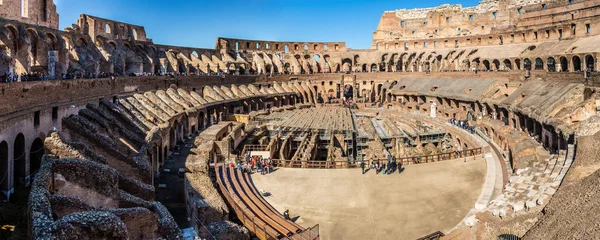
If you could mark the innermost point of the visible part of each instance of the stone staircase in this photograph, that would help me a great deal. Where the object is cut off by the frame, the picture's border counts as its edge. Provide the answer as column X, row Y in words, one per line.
column 532, row 186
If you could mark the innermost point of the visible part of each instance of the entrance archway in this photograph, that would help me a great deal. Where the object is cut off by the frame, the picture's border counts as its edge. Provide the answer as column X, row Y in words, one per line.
column 589, row 62
column 507, row 65
column 551, row 64
column 576, row 64
column 486, row 65
column 20, row 162
column 539, row 64
column 527, row 64
column 564, row 64
column 35, row 156
column 348, row 92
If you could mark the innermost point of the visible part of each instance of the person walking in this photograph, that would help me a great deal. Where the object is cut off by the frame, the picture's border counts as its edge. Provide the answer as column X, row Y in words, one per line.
column 362, row 166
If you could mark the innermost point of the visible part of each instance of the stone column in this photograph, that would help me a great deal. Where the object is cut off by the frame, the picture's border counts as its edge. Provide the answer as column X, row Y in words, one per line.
column 52, row 59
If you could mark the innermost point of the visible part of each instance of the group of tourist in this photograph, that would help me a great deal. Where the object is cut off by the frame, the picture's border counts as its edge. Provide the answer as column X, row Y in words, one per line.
column 463, row 124
column 10, row 77
column 255, row 164
column 381, row 166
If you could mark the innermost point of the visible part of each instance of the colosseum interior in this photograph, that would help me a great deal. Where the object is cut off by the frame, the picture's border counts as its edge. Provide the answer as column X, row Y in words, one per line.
column 458, row 123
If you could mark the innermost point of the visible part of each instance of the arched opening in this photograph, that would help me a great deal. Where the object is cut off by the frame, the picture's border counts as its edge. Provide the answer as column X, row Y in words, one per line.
column 576, row 64
column 496, row 64
column 551, row 64
column 81, row 42
column 4, row 171
column 364, row 68
column 348, row 92
column 35, row 156
column 172, row 138
column 589, row 62
column 518, row 64
column 19, row 160
column 373, row 67
column 507, row 65
column 486, row 65
column 347, row 65
column 527, row 64
column 564, row 64
column 539, row 64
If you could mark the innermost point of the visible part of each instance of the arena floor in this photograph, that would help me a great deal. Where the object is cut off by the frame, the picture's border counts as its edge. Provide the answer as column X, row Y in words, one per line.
column 421, row 200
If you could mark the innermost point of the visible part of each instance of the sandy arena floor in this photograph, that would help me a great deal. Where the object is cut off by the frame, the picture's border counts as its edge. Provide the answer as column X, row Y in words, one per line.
column 346, row 205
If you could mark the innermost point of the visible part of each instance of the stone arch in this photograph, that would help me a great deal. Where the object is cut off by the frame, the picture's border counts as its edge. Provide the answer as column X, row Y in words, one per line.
column 507, row 64
column 356, row 59
column 34, row 51
column 527, row 64
column 576, row 64
column 539, row 64
column 564, row 64
column 551, row 64
column 35, row 155
column 347, row 65
column 466, row 64
column 590, row 63
column 19, row 160
column 486, row 65
column 81, row 42
column 373, row 68
column 496, row 64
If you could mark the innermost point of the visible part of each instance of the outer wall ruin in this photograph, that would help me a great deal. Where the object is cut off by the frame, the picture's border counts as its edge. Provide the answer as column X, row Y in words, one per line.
column 526, row 72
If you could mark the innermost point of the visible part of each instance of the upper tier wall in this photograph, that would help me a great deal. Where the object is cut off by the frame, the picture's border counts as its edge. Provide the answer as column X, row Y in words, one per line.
column 245, row 44
column 489, row 18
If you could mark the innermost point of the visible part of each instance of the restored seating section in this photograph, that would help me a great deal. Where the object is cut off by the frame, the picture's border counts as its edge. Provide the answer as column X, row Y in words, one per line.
column 256, row 213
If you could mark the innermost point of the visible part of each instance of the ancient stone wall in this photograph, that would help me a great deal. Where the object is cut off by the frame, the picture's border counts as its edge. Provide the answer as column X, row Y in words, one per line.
column 501, row 21
column 37, row 12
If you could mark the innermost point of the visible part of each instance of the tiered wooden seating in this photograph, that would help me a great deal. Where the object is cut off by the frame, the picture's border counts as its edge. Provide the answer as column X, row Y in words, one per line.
column 266, row 221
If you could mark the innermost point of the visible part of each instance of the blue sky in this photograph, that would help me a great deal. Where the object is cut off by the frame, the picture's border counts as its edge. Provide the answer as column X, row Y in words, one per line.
column 199, row 23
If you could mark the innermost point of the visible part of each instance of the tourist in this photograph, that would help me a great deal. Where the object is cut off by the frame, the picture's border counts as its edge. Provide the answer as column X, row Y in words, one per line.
column 267, row 166
column 261, row 166
column 286, row 214
column 239, row 166
column 362, row 166
column 377, row 167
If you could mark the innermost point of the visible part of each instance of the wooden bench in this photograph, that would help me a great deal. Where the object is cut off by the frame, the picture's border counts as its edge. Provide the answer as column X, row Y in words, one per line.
column 253, row 189
column 251, row 221
column 246, row 200
column 265, row 207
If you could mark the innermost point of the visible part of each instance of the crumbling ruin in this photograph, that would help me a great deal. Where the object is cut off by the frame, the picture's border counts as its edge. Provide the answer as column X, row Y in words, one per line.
column 522, row 74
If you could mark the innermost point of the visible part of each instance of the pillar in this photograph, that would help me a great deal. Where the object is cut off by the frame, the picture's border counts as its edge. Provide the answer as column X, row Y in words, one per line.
column 52, row 59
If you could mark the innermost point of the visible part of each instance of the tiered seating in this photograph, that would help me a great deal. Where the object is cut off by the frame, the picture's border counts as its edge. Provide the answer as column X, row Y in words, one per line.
column 534, row 186
column 258, row 215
